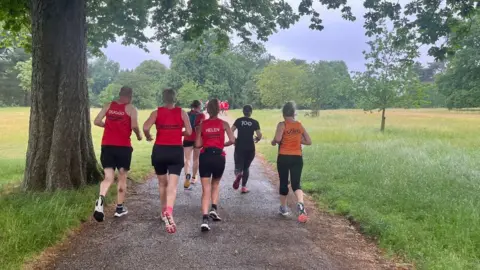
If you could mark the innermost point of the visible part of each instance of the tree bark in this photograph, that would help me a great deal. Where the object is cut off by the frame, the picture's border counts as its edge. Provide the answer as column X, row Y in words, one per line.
column 382, row 127
column 60, row 152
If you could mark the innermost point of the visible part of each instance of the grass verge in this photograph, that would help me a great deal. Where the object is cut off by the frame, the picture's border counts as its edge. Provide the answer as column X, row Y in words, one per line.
column 414, row 188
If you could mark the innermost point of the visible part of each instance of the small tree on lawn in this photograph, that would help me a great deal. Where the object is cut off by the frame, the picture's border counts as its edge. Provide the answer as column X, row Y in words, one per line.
column 389, row 80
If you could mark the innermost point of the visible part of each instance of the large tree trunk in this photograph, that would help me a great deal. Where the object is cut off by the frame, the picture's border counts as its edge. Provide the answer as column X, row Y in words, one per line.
column 60, row 152
column 382, row 127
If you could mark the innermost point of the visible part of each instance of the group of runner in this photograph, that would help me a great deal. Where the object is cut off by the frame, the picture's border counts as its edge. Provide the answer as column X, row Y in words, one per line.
column 182, row 138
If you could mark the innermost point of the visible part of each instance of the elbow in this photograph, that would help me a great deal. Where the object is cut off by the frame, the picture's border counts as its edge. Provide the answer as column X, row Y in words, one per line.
column 97, row 123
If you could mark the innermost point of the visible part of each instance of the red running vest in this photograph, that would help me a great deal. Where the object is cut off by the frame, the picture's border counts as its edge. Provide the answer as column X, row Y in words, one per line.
column 213, row 134
column 118, row 126
column 169, row 125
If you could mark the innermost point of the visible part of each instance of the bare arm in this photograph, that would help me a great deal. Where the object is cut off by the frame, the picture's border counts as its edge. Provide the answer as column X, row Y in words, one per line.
column 198, row 139
column 99, row 119
column 306, row 140
column 148, row 124
column 186, row 124
column 278, row 133
column 259, row 135
column 132, row 111
column 234, row 128
column 231, row 137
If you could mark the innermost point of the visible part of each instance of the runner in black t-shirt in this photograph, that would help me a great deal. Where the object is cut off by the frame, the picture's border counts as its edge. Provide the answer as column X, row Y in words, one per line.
column 245, row 146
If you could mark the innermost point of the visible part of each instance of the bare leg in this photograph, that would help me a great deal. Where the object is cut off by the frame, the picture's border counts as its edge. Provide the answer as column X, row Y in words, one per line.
column 283, row 200
column 172, row 189
column 299, row 195
column 188, row 157
column 108, row 181
column 121, row 186
column 196, row 156
column 215, row 190
column 162, row 189
column 206, row 195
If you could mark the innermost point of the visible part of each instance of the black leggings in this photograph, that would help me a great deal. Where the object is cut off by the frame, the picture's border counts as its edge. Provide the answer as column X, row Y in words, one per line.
column 289, row 165
column 243, row 160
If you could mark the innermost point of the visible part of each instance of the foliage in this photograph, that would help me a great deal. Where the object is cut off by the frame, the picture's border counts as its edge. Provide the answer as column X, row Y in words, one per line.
column 11, row 94
column 144, row 91
column 328, row 86
column 280, row 82
column 460, row 83
column 24, row 69
column 189, row 92
column 109, row 93
column 423, row 22
column 389, row 79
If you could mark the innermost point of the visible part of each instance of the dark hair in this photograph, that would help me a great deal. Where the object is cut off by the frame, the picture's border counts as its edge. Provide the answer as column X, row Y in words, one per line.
column 195, row 104
column 213, row 107
column 125, row 92
column 169, row 96
column 247, row 110
column 288, row 109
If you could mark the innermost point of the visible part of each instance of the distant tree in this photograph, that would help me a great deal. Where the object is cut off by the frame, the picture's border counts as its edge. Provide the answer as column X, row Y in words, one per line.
column 102, row 72
column 153, row 69
column 460, row 83
column 24, row 69
column 11, row 94
column 280, row 82
column 389, row 79
column 189, row 92
column 144, row 90
column 109, row 93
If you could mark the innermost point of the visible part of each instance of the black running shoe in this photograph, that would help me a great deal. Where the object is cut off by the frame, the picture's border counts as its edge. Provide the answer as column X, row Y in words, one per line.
column 205, row 227
column 98, row 213
column 214, row 215
column 121, row 211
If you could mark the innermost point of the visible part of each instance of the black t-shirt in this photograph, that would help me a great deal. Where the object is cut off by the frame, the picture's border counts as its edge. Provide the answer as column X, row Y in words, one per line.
column 246, row 127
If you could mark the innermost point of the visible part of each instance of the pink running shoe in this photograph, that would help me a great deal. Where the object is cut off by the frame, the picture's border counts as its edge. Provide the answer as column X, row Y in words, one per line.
column 169, row 223
column 236, row 183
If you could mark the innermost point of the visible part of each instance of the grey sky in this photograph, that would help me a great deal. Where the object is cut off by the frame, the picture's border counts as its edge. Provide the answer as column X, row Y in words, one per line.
column 340, row 40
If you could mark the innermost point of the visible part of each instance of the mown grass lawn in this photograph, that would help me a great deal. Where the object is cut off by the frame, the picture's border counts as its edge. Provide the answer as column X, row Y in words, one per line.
column 416, row 187
column 30, row 222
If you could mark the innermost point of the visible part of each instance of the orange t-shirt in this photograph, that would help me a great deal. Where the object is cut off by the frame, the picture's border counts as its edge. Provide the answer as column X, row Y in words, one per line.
column 291, row 144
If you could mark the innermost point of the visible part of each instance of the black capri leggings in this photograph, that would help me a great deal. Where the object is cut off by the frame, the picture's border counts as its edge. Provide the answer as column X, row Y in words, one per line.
column 289, row 166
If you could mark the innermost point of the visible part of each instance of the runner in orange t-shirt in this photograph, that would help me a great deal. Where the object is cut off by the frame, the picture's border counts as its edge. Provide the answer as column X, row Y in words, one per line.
column 290, row 135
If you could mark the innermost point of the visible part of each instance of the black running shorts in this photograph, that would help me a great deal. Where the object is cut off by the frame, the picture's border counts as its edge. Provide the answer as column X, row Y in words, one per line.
column 116, row 157
column 188, row 143
column 243, row 159
column 211, row 165
column 167, row 159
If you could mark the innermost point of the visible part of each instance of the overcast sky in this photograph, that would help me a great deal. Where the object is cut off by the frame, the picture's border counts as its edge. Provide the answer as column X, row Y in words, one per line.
column 340, row 40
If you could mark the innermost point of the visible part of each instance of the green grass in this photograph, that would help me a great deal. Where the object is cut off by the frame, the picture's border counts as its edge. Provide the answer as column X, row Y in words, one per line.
column 416, row 187
column 30, row 222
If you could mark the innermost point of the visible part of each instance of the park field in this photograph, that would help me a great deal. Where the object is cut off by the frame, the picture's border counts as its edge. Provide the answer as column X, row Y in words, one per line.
column 31, row 222
column 415, row 188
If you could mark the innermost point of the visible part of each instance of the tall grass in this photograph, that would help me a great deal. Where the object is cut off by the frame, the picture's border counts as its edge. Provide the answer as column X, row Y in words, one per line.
column 416, row 187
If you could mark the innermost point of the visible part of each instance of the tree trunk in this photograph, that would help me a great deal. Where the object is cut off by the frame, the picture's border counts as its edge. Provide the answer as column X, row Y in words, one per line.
column 382, row 127
column 60, row 152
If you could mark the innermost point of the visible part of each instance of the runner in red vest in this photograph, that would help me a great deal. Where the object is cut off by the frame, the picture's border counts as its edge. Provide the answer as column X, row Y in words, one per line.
column 226, row 106
column 116, row 153
column 211, row 139
column 196, row 117
column 167, row 154
column 222, row 107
